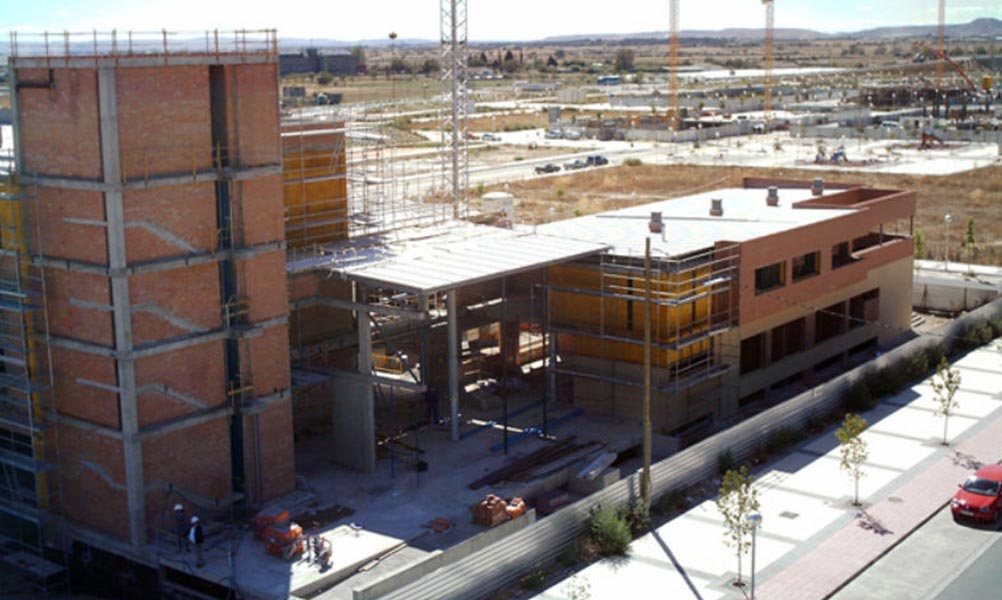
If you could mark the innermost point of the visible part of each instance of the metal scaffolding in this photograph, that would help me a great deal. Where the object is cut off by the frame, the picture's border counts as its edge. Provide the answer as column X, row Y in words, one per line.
column 29, row 482
column 694, row 306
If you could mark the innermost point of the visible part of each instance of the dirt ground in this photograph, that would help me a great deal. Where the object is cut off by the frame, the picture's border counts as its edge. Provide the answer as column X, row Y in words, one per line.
column 975, row 195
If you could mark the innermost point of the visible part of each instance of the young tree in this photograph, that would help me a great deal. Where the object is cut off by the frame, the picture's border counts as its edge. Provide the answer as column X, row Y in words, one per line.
column 853, row 449
column 945, row 383
column 358, row 52
column 624, row 60
column 738, row 498
column 968, row 242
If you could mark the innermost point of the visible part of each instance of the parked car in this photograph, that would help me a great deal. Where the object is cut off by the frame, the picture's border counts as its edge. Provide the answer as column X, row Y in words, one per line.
column 980, row 497
column 547, row 168
column 596, row 160
column 490, row 137
column 572, row 135
column 890, row 125
column 576, row 164
column 554, row 134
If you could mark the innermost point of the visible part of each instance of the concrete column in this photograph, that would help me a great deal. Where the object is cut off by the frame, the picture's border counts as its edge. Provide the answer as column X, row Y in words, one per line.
column 121, row 307
column 366, row 423
column 453, row 360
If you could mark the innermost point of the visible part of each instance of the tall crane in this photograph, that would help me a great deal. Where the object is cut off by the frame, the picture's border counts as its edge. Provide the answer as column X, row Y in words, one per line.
column 767, row 75
column 673, row 43
column 940, row 43
column 456, row 174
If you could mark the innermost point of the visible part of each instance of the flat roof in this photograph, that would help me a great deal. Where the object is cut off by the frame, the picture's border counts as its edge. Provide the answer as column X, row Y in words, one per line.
column 464, row 255
column 688, row 224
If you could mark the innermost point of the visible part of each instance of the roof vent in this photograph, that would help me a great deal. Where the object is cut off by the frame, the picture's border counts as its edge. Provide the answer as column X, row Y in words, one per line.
column 818, row 187
column 657, row 224
column 716, row 207
column 773, row 198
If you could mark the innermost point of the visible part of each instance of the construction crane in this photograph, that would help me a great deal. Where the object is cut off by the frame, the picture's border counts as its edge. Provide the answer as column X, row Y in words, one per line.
column 767, row 75
column 941, row 57
column 673, row 43
column 941, row 43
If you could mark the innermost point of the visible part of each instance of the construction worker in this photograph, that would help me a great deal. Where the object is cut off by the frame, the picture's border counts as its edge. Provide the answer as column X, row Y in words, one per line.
column 181, row 528
column 196, row 536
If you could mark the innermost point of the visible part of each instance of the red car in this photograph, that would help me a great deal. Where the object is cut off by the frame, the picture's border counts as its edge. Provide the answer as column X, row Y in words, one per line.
column 980, row 497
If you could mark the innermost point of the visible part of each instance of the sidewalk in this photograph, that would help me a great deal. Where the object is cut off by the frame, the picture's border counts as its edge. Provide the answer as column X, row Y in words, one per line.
column 812, row 540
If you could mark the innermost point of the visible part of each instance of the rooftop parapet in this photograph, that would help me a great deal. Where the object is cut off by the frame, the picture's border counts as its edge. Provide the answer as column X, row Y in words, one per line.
column 140, row 48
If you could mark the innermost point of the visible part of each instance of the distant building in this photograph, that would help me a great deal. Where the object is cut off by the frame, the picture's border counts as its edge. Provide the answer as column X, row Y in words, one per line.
column 312, row 60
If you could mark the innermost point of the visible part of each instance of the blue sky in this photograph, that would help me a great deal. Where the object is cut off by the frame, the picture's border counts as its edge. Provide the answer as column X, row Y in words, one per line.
column 489, row 19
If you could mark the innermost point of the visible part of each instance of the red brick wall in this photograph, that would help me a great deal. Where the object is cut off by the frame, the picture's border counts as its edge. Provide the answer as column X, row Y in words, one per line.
column 195, row 458
column 85, row 401
column 254, row 103
column 268, row 356
column 164, row 120
column 196, row 371
column 263, row 282
column 191, row 294
column 60, row 135
column 86, row 496
column 277, row 456
column 185, row 211
column 69, row 240
column 68, row 320
column 261, row 213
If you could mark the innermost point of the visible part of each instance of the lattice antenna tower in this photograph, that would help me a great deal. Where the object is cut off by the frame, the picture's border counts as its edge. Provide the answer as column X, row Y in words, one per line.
column 940, row 43
column 769, row 43
column 673, row 43
column 455, row 169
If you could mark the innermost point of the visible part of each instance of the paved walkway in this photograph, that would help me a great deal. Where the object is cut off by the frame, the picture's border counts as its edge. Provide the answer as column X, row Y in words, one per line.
column 812, row 540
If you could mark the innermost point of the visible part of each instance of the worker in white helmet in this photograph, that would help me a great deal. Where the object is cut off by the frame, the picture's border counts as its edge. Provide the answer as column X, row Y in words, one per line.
column 196, row 536
column 181, row 528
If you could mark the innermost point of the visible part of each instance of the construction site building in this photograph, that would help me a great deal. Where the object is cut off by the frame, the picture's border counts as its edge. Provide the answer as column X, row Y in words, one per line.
column 191, row 286
column 157, row 216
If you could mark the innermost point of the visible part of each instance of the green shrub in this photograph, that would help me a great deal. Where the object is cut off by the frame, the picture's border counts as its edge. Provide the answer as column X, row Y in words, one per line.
column 633, row 162
column 781, row 439
column 859, row 398
column 324, row 78
column 978, row 334
column 996, row 325
column 535, row 579
column 936, row 353
column 888, row 380
column 638, row 518
column 918, row 364
column 726, row 462
column 673, row 501
column 610, row 531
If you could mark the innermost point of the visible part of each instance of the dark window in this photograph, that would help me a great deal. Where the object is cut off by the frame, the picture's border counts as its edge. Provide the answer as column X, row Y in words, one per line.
column 807, row 265
column 772, row 276
column 841, row 255
column 829, row 322
column 788, row 339
column 752, row 350
column 864, row 308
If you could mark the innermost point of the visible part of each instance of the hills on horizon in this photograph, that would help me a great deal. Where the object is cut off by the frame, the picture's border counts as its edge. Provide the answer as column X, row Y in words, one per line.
column 976, row 28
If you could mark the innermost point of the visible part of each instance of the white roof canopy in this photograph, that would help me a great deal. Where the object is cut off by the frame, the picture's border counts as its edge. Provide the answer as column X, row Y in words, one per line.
column 444, row 264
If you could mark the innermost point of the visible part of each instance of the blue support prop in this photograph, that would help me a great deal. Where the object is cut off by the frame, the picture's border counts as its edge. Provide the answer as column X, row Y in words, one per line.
column 492, row 422
column 537, row 431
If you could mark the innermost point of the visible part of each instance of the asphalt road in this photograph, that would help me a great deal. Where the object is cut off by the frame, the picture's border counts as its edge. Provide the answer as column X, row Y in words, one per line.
column 941, row 560
column 981, row 579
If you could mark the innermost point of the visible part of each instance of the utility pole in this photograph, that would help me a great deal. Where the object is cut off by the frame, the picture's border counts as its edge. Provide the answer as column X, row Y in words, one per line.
column 645, row 481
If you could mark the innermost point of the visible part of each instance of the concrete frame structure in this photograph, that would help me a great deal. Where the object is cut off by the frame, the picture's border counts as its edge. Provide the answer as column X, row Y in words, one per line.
column 160, row 245
column 188, row 348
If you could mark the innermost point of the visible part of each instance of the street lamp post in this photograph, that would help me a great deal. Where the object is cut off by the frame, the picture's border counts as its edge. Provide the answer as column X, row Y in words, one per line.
column 946, row 250
column 755, row 520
